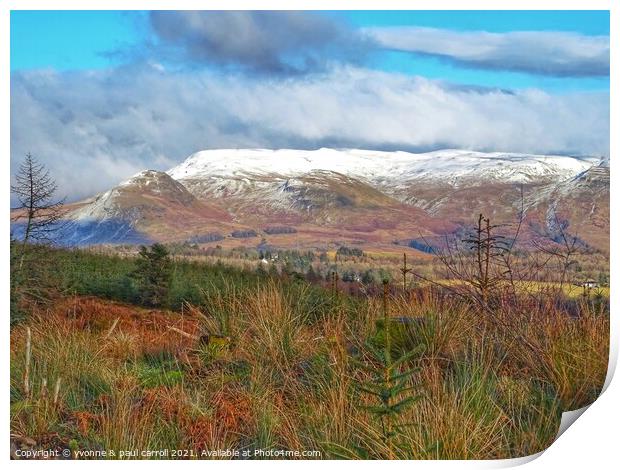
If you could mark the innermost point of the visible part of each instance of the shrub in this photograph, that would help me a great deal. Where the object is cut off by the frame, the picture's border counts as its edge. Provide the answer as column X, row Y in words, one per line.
column 279, row 230
column 244, row 234
column 346, row 251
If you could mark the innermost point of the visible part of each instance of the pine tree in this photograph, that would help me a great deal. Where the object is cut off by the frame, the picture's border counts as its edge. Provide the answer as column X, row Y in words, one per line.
column 153, row 274
column 390, row 382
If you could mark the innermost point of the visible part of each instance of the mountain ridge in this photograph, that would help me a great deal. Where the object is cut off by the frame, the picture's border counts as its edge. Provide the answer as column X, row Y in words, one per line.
column 335, row 196
column 378, row 165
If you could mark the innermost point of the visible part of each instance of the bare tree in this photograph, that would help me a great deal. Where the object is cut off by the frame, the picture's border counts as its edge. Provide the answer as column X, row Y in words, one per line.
column 35, row 189
column 565, row 249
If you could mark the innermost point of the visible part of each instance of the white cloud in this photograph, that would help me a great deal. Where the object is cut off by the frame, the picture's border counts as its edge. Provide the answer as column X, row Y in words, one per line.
column 539, row 52
column 93, row 129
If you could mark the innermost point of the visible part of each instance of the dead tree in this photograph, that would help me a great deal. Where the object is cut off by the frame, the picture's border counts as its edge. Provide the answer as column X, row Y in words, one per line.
column 476, row 264
column 34, row 189
column 488, row 249
column 564, row 250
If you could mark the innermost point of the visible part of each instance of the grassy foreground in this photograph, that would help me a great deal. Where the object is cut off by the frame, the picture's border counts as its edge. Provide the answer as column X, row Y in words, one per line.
column 252, row 364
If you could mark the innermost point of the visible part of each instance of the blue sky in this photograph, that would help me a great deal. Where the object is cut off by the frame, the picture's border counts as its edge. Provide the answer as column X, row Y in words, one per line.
column 70, row 39
column 586, row 22
column 65, row 40
column 120, row 91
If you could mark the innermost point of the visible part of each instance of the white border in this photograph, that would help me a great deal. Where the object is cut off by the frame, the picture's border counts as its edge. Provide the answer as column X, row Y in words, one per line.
column 592, row 442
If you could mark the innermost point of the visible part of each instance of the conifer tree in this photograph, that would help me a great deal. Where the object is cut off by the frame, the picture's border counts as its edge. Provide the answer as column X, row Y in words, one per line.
column 153, row 274
column 390, row 382
column 34, row 189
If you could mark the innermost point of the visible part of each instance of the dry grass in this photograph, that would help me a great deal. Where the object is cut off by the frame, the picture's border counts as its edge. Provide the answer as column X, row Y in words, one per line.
column 491, row 389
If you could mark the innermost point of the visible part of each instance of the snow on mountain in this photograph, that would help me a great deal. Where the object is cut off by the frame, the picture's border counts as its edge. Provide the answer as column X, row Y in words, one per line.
column 389, row 168
column 114, row 203
column 376, row 196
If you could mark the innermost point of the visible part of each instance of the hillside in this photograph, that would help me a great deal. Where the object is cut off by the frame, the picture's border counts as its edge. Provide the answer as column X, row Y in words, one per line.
column 328, row 197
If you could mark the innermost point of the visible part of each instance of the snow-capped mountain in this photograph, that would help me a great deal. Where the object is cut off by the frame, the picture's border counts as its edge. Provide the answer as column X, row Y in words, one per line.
column 381, row 168
column 367, row 196
column 300, row 181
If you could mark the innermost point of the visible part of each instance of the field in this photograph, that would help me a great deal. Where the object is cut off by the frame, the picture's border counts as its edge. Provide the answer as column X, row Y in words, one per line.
column 247, row 362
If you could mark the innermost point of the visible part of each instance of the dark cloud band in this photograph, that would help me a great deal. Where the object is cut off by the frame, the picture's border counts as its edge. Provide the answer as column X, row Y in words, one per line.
column 273, row 42
column 294, row 42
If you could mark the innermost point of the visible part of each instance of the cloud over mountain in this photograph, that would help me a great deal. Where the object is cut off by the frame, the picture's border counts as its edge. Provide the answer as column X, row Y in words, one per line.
column 113, row 123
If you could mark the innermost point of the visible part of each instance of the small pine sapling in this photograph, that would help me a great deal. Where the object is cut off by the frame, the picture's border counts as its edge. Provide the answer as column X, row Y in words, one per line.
column 389, row 383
